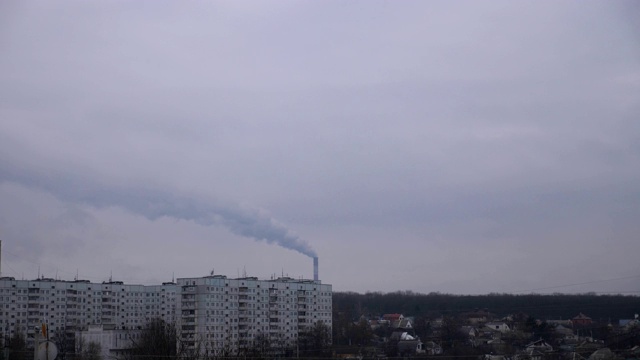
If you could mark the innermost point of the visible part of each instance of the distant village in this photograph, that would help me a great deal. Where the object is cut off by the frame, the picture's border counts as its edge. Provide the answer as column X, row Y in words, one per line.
column 480, row 334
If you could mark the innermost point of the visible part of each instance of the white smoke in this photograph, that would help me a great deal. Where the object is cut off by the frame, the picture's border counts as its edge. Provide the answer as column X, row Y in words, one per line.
column 154, row 204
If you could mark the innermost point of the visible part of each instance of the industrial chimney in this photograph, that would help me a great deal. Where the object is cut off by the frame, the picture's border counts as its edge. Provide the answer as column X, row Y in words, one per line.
column 315, row 268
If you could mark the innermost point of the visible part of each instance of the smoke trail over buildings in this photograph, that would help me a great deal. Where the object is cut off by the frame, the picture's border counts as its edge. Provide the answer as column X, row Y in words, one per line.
column 154, row 204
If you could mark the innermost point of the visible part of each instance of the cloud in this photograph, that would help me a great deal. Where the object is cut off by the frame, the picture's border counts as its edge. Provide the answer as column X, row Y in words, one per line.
column 447, row 137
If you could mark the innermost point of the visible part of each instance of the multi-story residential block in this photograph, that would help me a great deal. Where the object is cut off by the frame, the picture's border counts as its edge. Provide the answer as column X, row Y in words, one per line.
column 222, row 314
column 70, row 306
column 212, row 313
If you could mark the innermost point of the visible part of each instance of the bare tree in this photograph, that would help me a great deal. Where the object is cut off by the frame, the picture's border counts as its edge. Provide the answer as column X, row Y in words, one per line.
column 315, row 341
column 17, row 346
column 158, row 340
column 92, row 351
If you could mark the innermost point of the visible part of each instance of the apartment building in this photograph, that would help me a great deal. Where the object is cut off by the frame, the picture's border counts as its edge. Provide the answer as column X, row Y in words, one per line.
column 222, row 314
column 213, row 313
column 70, row 306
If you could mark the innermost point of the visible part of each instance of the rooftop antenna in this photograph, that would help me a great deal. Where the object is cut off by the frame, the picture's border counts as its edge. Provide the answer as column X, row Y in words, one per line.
column 173, row 276
column 111, row 276
column 244, row 271
column 77, row 275
column 38, row 271
column 212, row 272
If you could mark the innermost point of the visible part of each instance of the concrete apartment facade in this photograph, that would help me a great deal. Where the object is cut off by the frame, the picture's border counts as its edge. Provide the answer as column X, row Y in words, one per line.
column 214, row 311
column 228, row 314
column 71, row 306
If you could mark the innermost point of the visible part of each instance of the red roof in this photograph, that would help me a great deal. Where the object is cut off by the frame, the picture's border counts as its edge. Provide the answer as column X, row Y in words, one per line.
column 391, row 317
column 581, row 316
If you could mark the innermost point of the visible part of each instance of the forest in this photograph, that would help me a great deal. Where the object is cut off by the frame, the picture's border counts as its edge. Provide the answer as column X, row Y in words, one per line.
column 556, row 306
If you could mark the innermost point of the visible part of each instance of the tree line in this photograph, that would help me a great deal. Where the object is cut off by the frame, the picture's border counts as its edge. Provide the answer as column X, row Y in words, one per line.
column 555, row 306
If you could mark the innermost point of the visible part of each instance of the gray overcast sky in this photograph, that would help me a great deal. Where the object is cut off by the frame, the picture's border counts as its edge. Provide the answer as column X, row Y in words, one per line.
column 465, row 147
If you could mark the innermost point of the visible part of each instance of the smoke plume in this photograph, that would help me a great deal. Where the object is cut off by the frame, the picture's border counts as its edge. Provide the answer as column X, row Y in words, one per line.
column 154, row 204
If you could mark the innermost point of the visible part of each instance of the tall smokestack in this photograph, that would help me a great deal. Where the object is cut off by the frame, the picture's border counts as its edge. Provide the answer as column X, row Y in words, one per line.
column 315, row 268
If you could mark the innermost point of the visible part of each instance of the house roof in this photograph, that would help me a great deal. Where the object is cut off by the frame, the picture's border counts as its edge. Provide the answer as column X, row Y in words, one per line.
column 399, row 335
column 468, row 329
column 538, row 343
column 581, row 316
column 574, row 356
column 563, row 330
column 402, row 324
column 408, row 344
column 604, row 353
column 392, row 316
column 494, row 323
